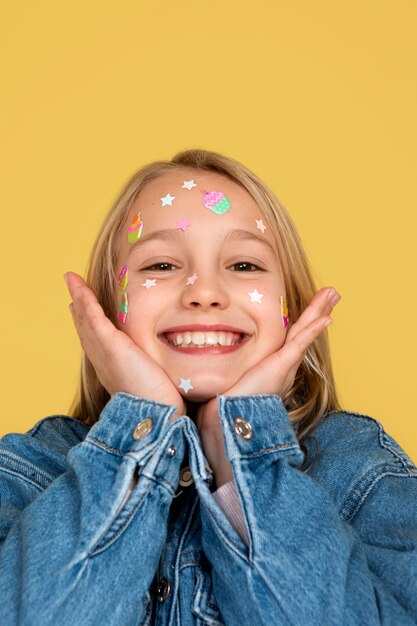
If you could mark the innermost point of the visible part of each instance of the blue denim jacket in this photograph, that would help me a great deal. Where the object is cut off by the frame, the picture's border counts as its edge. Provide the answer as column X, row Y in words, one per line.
column 333, row 543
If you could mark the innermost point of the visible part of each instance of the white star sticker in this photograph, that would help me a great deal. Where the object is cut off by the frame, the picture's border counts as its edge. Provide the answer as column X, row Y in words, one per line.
column 149, row 283
column 260, row 225
column 167, row 200
column 191, row 280
column 185, row 384
column 255, row 296
column 188, row 184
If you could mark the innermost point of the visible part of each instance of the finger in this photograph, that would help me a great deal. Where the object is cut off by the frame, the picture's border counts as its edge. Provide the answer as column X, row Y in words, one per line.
column 294, row 351
column 92, row 325
column 322, row 304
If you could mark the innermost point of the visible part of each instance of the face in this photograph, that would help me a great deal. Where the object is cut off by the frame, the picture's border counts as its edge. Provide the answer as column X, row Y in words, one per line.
column 204, row 281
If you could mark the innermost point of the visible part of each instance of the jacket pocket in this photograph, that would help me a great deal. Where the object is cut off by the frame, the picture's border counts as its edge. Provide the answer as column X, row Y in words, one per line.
column 203, row 605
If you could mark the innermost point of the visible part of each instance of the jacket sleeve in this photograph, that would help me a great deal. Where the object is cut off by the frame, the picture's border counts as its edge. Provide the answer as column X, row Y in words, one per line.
column 304, row 564
column 80, row 547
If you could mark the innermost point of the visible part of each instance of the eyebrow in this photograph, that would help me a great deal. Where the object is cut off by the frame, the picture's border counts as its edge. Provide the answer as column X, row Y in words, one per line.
column 175, row 235
column 169, row 234
column 246, row 235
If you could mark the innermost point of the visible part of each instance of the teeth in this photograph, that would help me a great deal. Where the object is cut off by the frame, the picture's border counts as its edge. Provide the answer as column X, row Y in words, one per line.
column 200, row 339
column 211, row 339
column 222, row 340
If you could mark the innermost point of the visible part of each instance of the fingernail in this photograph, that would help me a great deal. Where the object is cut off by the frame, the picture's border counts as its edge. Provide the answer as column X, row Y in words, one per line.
column 327, row 323
column 66, row 278
column 71, row 307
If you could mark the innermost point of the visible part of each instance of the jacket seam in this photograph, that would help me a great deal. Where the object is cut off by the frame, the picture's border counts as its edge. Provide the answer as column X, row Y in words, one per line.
column 18, row 467
column 282, row 446
column 353, row 502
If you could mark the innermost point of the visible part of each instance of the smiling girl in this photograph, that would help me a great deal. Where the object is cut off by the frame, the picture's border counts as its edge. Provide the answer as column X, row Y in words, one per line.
column 208, row 474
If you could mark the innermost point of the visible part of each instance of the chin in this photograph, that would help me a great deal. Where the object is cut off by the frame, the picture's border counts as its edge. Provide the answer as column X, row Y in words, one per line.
column 207, row 387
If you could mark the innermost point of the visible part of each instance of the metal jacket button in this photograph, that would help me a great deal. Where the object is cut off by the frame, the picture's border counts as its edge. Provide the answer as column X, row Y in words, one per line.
column 186, row 477
column 143, row 428
column 162, row 590
column 243, row 428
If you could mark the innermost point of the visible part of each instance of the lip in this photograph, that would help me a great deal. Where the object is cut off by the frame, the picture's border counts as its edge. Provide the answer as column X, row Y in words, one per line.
column 204, row 328
column 216, row 350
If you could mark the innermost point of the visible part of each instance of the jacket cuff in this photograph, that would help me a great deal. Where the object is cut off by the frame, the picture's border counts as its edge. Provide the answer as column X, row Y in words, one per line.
column 121, row 416
column 258, row 425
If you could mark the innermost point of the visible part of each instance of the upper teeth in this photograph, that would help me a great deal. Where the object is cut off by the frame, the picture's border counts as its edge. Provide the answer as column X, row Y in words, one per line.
column 199, row 339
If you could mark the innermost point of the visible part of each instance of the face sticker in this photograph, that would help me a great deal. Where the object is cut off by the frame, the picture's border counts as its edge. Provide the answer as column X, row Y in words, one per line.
column 255, row 296
column 284, row 312
column 122, row 306
column 188, row 184
column 123, row 277
column 216, row 201
column 167, row 200
column 260, row 225
column 122, row 302
column 191, row 280
column 149, row 283
column 185, row 384
column 183, row 224
column 135, row 229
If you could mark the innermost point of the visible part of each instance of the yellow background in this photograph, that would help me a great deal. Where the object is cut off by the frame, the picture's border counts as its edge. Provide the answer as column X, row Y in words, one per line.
column 319, row 98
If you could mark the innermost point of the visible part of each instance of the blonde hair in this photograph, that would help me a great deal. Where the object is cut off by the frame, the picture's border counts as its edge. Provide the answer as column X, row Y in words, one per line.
column 313, row 392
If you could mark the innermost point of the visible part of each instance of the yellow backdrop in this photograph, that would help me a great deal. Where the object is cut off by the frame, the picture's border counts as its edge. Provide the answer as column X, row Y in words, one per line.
column 319, row 98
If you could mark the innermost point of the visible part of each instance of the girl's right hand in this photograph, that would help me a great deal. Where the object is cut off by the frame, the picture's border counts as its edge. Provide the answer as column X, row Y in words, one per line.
column 119, row 364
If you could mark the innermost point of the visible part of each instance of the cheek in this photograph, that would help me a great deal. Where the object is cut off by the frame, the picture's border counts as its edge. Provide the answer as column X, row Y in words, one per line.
column 143, row 311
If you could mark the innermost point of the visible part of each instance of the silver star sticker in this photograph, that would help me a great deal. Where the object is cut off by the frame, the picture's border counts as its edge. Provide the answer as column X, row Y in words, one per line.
column 255, row 296
column 185, row 384
column 188, row 184
column 149, row 283
column 167, row 199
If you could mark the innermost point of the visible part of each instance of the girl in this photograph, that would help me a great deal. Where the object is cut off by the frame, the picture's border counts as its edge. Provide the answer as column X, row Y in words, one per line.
column 208, row 475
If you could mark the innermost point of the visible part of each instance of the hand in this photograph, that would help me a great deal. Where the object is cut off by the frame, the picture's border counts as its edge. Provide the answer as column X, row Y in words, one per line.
column 273, row 375
column 119, row 364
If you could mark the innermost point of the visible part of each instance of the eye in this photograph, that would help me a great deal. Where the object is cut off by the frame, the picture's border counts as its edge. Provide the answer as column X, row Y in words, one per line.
column 161, row 267
column 244, row 266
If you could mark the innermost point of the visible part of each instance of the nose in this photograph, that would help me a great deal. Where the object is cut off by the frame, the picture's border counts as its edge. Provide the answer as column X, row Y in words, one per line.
column 204, row 294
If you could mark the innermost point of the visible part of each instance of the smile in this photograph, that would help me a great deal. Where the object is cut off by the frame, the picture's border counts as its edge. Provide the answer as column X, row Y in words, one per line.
column 203, row 340
column 197, row 340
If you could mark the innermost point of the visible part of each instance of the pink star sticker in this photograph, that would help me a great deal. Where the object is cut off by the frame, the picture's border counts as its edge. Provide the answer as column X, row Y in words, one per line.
column 183, row 223
column 191, row 280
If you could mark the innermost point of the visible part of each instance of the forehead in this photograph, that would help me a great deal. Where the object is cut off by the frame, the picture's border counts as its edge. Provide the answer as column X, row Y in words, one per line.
column 158, row 209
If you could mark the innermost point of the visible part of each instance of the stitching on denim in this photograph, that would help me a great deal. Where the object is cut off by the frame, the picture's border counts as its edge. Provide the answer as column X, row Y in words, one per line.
column 385, row 444
column 39, row 487
column 102, row 445
column 354, row 501
column 283, row 446
column 25, row 470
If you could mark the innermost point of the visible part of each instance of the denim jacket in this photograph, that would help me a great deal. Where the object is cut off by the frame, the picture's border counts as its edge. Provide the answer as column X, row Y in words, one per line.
column 331, row 542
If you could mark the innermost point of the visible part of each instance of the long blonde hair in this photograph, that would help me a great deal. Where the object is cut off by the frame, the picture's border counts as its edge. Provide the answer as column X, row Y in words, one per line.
column 313, row 393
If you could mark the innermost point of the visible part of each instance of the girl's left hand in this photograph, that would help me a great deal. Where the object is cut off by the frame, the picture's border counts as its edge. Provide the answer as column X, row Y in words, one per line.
column 273, row 375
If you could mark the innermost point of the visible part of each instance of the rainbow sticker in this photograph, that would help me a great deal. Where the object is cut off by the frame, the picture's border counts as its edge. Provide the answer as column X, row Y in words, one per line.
column 122, row 302
column 216, row 201
column 135, row 229
column 122, row 306
column 284, row 312
column 123, row 276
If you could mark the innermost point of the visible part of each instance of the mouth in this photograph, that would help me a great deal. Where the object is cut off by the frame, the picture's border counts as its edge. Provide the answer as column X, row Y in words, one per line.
column 196, row 339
